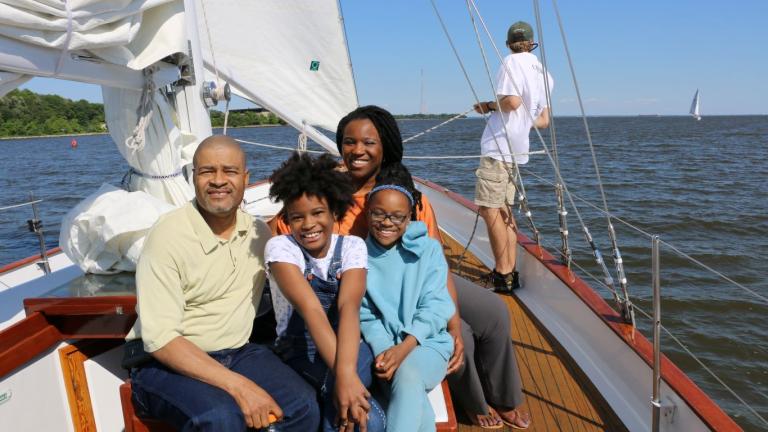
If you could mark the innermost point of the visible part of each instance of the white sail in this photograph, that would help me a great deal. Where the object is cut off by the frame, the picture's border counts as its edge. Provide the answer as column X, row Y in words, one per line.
column 695, row 106
column 289, row 56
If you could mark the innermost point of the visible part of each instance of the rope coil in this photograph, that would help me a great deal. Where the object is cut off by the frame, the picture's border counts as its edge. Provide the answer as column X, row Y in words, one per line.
column 137, row 140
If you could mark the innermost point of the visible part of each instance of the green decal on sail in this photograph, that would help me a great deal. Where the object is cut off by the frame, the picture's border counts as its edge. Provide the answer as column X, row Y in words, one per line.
column 314, row 65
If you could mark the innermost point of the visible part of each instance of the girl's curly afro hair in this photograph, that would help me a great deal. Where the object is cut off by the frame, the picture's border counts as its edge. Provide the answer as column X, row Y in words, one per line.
column 302, row 174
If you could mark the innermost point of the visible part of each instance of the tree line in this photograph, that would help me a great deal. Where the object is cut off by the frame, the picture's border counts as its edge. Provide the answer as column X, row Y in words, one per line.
column 26, row 113
column 244, row 118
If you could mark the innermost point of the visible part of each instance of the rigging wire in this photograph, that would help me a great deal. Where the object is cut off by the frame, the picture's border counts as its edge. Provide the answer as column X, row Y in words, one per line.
column 547, row 90
column 562, row 212
column 277, row 146
column 611, row 232
column 274, row 146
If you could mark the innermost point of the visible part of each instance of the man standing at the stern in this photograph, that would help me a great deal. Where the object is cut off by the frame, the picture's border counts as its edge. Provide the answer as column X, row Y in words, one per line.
column 522, row 103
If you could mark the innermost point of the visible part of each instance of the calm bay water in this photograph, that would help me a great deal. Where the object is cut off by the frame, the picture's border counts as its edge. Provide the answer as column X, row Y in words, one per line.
column 701, row 186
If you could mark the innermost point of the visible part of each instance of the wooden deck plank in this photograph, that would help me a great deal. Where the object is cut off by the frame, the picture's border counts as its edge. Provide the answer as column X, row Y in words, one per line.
column 558, row 395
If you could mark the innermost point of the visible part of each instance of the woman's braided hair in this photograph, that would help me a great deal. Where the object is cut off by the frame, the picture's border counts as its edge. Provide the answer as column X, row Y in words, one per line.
column 386, row 126
column 301, row 174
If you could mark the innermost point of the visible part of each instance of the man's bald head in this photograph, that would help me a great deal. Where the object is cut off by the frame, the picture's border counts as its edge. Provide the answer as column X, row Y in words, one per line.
column 216, row 142
column 220, row 177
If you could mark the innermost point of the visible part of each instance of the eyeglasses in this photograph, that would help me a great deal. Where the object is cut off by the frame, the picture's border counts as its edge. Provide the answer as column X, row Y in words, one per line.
column 380, row 216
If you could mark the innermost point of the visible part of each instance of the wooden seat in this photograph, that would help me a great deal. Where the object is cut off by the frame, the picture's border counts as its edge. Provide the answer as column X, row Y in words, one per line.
column 132, row 422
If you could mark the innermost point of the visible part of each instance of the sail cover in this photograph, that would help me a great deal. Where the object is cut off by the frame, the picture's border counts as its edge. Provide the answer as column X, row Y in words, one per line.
column 288, row 56
column 88, row 40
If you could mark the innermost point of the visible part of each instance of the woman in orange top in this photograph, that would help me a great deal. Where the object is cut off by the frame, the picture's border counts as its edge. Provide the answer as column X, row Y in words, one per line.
column 483, row 372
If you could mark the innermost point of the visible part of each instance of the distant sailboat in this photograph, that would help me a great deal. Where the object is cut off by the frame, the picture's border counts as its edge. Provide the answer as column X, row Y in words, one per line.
column 695, row 106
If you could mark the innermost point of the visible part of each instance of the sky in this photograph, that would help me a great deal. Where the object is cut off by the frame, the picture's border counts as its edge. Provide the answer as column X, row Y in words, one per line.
column 638, row 57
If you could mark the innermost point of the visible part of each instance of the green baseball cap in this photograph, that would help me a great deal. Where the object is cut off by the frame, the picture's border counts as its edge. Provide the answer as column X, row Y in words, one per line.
column 519, row 31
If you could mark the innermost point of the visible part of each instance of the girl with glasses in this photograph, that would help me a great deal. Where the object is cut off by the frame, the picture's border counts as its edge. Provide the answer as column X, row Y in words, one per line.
column 405, row 311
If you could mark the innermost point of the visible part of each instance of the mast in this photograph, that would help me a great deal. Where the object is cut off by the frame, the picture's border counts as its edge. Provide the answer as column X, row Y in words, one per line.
column 422, row 104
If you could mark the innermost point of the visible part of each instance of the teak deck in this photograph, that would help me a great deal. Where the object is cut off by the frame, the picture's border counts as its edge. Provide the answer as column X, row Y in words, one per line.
column 558, row 395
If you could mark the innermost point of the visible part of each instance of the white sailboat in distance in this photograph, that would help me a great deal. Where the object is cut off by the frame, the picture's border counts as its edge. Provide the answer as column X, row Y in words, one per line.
column 695, row 106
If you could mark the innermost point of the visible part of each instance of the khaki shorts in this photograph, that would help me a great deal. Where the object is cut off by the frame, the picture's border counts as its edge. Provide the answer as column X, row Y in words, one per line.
column 494, row 188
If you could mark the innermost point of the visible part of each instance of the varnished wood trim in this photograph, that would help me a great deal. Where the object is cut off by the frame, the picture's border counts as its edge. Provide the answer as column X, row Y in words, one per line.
column 24, row 341
column 76, row 384
column 700, row 403
column 22, row 262
column 451, row 425
column 87, row 317
column 73, row 359
column 70, row 306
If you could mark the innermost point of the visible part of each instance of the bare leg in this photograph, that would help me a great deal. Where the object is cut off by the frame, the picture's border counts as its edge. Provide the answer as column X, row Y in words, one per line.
column 501, row 233
column 511, row 227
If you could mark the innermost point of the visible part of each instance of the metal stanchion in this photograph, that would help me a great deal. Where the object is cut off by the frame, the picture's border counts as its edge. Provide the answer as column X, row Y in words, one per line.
column 656, row 401
column 36, row 226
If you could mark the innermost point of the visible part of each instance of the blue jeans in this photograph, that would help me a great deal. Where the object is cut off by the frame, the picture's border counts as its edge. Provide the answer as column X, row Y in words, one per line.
column 316, row 372
column 188, row 404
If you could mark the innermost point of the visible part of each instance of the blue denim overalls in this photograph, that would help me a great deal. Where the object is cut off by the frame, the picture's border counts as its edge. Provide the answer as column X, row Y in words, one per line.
column 297, row 348
column 296, row 343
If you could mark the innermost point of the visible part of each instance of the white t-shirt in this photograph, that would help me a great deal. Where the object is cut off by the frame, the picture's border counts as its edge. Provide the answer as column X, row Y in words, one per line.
column 284, row 248
column 522, row 75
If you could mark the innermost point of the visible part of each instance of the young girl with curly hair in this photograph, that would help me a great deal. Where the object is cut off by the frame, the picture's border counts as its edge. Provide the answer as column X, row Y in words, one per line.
column 321, row 280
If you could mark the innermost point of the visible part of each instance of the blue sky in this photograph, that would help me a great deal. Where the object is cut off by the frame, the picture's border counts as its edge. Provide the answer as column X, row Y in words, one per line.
column 640, row 57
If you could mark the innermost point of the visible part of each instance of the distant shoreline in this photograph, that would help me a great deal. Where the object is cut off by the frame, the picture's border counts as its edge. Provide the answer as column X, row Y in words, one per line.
column 107, row 133
column 52, row 136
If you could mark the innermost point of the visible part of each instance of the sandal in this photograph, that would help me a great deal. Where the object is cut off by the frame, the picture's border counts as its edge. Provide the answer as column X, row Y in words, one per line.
column 504, row 283
column 492, row 415
column 522, row 420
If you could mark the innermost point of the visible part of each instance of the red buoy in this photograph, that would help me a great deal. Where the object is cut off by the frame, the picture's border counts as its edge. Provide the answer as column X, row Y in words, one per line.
column 73, row 143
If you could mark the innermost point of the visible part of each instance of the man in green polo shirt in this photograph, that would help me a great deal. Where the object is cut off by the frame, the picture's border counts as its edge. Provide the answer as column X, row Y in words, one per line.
column 198, row 284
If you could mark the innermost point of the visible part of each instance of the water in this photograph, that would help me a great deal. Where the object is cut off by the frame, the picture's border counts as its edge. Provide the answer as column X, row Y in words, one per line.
column 701, row 186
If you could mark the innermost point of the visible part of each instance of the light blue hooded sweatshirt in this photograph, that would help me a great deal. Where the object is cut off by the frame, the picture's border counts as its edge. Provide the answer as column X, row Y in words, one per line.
column 406, row 293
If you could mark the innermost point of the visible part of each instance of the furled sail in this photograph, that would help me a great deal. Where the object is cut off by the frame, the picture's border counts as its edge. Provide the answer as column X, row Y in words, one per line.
column 290, row 57
column 695, row 106
column 100, row 42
